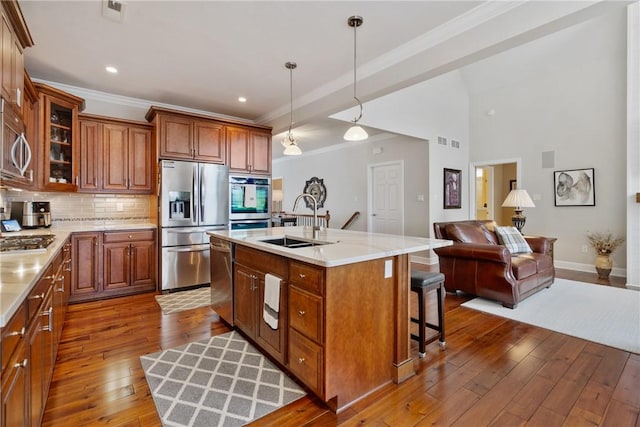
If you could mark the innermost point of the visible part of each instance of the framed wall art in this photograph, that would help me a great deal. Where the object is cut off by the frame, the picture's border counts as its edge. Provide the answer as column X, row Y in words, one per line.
column 513, row 184
column 315, row 186
column 452, row 189
column 574, row 187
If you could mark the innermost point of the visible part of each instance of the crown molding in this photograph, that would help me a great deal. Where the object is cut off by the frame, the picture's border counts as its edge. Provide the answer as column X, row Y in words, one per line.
column 127, row 101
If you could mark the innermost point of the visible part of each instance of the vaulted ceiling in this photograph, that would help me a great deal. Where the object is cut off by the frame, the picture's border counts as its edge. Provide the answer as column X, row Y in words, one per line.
column 203, row 55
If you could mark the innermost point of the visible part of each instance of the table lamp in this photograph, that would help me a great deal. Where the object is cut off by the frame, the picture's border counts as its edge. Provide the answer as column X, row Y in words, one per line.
column 518, row 199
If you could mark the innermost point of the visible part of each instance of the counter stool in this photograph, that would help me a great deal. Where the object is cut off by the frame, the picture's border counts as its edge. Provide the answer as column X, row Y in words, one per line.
column 421, row 283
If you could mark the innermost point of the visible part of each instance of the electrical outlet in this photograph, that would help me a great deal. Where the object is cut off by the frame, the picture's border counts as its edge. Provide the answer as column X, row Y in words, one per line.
column 585, row 249
column 120, row 207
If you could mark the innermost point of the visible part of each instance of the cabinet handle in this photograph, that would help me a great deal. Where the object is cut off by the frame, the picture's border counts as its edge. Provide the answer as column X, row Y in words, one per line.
column 41, row 296
column 302, row 276
column 49, row 313
column 61, row 288
column 301, row 360
column 22, row 364
column 301, row 313
column 95, row 239
column 19, row 333
column 78, row 179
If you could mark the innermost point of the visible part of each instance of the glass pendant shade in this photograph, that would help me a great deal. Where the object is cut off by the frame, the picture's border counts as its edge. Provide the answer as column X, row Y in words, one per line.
column 291, row 148
column 289, row 143
column 356, row 133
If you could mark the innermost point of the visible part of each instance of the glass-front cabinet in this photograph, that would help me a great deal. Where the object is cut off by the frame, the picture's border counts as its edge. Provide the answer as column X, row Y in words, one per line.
column 60, row 137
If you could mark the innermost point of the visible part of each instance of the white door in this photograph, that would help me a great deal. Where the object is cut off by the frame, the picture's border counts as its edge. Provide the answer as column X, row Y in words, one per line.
column 386, row 196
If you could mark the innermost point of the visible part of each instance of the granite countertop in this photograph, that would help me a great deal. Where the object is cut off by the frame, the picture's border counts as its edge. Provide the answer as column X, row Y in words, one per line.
column 21, row 270
column 343, row 247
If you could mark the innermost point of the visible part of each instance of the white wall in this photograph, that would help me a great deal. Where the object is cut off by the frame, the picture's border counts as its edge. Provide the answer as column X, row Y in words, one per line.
column 344, row 171
column 633, row 146
column 436, row 107
column 574, row 105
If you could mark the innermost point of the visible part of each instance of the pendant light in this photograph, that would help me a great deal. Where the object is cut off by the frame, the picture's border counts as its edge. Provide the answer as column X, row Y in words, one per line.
column 289, row 143
column 355, row 132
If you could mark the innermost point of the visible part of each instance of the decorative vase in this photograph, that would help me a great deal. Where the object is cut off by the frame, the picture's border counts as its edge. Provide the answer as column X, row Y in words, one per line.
column 603, row 265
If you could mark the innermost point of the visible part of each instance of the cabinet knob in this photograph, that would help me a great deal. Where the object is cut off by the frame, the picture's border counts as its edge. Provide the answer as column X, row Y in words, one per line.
column 22, row 364
column 301, row 360
column 130, row 236
column 301, row 313
column 302, row 276
column 19, row 333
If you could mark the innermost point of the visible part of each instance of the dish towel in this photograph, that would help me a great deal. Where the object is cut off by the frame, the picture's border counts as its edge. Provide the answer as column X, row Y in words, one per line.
column 271, row 300
column 250, row 196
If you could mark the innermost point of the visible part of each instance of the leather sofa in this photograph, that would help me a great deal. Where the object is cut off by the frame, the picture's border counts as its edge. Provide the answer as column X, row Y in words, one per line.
column 477, row 264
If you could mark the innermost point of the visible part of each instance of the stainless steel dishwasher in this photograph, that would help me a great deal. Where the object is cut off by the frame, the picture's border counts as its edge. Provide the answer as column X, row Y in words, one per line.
column 222, row 278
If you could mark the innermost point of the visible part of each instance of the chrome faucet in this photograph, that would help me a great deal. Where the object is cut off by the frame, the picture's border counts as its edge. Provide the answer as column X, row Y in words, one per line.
column 316, row 227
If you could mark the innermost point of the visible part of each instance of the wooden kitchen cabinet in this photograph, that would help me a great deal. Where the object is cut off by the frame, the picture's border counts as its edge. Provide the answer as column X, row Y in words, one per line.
column 59, row 136
column 14, row 38
column 115, row 156
column 249, row 282
column 129, row 260
column 29, row 346
column 113, row 263
column 249, row 151
column 188, row 137
column 86, row 255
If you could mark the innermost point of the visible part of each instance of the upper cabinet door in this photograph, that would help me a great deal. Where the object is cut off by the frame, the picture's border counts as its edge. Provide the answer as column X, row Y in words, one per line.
column 90, row 156
column 175, row 137
column 115, row 157
column 140, row 163
column 261, row 153
column 239, row 151
column 209, row 142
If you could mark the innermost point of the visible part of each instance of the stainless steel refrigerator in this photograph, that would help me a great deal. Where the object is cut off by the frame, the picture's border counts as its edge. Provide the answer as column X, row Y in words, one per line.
column 194, row 198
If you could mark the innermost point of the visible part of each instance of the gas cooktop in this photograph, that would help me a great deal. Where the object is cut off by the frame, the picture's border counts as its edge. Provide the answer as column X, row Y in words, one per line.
column 38, row 242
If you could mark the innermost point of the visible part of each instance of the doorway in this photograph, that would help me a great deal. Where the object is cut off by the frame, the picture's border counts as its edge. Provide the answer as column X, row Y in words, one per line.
column 491, row 184
column 386, row 198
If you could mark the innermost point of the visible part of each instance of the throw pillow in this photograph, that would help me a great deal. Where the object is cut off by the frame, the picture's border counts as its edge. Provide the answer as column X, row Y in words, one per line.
column 513, row 240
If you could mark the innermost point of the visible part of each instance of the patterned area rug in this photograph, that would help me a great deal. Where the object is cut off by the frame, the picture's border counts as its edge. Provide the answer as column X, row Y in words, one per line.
column 184, row 300
column 221, row 381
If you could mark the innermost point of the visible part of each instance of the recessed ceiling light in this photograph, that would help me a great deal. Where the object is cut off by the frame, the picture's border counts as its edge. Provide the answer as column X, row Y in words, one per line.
column 111, row 69
column 242, row 99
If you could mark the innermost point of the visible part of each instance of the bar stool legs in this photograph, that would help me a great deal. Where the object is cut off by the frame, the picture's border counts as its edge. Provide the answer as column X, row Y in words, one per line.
column 421, row 283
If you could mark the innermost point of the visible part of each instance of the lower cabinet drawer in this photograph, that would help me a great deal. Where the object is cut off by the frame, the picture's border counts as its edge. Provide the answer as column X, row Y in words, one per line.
column 12, row 333
column 305, row 361
column 127, row 236
column 305, row 313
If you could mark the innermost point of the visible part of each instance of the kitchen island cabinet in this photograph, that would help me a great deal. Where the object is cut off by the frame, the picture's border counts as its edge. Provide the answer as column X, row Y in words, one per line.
column 347, row 305
column 251, row 266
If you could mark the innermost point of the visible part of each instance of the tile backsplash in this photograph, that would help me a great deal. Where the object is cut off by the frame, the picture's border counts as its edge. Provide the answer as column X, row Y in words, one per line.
column 86, row 207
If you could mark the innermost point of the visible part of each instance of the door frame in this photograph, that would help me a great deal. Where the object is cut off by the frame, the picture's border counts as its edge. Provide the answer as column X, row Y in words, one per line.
column 370, row 169
column 472, row 178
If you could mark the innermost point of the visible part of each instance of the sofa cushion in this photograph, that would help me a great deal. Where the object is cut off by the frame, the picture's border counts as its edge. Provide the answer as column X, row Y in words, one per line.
column 467, row 233
column 523, row 267
column 513, row 240
column 543, row 262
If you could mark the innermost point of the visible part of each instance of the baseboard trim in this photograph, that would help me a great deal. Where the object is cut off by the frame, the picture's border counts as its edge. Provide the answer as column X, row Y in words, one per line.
column 588, row 268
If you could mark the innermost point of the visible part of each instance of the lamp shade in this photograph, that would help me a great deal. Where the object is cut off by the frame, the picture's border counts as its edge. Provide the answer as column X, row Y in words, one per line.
column 355, row 133
column 518, row 199
column 277, row 195
column 292, row 149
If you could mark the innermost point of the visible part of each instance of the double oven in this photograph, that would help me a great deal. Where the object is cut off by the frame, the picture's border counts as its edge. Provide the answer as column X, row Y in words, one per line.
column 249, row 202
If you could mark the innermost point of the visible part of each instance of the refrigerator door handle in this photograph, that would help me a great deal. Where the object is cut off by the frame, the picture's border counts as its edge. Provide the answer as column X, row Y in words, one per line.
column 201, row 192
column 195, row 196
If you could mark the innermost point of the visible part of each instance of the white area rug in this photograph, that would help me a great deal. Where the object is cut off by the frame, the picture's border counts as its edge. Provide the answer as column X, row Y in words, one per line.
column 601, row 314
column 220, row 381
column 184, row 300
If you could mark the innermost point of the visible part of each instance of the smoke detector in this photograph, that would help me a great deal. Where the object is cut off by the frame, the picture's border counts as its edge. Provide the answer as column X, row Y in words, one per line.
column 114, row 10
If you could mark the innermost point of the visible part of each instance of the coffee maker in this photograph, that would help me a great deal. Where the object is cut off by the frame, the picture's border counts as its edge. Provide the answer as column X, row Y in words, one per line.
column 31, row 214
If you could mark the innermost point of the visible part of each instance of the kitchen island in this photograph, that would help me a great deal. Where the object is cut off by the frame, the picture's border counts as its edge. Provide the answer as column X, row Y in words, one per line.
column 343, row 319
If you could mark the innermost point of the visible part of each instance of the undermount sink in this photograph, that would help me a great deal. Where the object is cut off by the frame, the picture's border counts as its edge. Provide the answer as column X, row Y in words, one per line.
column 294, row 242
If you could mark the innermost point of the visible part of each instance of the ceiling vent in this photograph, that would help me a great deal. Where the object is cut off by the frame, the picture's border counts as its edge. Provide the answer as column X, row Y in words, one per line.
column 114, row 10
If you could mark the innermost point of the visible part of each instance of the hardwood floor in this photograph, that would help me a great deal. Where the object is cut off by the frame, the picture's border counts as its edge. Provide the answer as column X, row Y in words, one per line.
column 494, row 371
